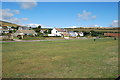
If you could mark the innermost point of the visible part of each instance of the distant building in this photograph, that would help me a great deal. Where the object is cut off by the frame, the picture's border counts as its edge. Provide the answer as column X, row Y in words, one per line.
column 112, row 34
column 72, row 34
column 75, row 34
column 4, row 31
column 44, row 30
column 81, row 33
column 57, row 31
column 5, row 27
column 23, row 28
column 25, row 32
column 63, row 32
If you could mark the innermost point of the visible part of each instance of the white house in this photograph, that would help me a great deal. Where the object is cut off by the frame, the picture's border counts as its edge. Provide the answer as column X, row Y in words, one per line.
column 81, row 33
column 9, row 28
column 2, row 30
column 63, row 32
column 6, row 27
column 57, row 32
column 75, row 34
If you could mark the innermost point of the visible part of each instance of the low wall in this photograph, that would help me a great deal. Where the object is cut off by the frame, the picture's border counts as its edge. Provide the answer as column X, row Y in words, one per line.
column 112, row 34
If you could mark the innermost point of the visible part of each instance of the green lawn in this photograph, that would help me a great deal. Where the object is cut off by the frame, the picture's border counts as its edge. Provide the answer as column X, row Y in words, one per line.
column 33, row 38
column 61, row 59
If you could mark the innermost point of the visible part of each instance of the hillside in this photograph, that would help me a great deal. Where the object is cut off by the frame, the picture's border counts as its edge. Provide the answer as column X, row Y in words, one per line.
column 104, row 29
column 8, row 23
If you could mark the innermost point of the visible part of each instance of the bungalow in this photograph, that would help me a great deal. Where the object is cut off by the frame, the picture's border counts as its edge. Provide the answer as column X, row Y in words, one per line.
column 25, row 32
column 72, row 34
column 75, row 34
column 3, row 31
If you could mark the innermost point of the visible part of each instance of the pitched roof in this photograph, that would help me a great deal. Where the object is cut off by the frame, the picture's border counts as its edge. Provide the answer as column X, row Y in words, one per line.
column 23, row 27
column 3, row 30
column 4, row 27
column 66, row 34
column 58, row 29
column 26, row 31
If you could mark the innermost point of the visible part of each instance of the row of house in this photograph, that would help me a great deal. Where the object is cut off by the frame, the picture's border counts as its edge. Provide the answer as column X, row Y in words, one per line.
column 21, row 30
column 27, row 31
column 4, row 29
column 63, row 32
column 54, row 32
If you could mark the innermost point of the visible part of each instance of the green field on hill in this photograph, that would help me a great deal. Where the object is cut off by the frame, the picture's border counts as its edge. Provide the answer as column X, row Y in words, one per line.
column 61, row 59
column 94, row 29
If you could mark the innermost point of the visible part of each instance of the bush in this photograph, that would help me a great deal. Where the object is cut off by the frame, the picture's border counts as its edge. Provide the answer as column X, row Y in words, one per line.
column 40, row 34
column 86, row 33
column 4, row 34
column 78, row 35
column 95, row 33
column 7, row 39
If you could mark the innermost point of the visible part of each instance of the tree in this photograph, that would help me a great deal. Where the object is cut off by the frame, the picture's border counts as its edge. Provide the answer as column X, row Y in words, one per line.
column 10, row 31
column 13, row 27
column 39, row 27
column 17, row 27
column 49, row 31
column 95, row 33
column 75, row 31
column 78, row 35
column 30, row 28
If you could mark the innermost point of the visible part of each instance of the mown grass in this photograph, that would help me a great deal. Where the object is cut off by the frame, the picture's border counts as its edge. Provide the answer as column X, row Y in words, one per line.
column 33, row 38
column 39, row 38
column 61, row 59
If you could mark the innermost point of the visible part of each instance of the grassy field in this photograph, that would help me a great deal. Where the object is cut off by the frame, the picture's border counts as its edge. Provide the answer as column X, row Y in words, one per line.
column 33, row 38
column 41, row 38
column 61, row 59
column 98, row 30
